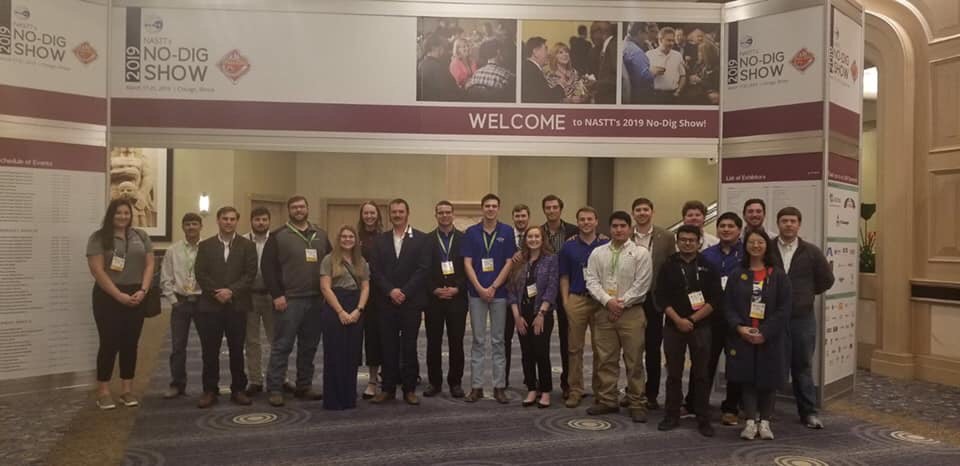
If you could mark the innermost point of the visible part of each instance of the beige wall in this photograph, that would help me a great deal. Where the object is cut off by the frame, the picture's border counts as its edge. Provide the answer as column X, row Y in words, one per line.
column 264, row 174
column 197, row 171
column 417, row 178
column 668, row 182
column 868, row 171
column 525, row 180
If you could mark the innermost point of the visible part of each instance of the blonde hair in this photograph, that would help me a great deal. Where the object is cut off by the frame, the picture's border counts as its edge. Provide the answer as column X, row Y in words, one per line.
column 554, row 51
column 356, row 257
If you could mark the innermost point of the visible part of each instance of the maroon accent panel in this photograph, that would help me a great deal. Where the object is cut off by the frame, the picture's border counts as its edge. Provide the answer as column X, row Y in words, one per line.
column 844, row 121
column 766, row 168
column 415, row 119
column 34, row 103
column 844, row 169
column 773, row 120
column 52, row 155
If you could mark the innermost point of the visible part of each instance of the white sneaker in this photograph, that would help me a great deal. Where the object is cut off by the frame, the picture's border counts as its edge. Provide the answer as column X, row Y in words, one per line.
column 750, row 430
column 765, row 432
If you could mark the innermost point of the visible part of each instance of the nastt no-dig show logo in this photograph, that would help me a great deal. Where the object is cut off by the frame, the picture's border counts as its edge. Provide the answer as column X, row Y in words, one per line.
column 151, row 56
column 749, row 62
column 20, row 36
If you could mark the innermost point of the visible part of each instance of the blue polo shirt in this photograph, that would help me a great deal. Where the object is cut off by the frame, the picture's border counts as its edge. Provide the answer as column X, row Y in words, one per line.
column 573, row 259
column 724, row 263
column 502, row 248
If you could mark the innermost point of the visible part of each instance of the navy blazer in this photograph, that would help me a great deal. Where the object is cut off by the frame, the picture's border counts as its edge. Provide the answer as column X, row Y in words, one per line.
column 547, row 281
column 409, row 272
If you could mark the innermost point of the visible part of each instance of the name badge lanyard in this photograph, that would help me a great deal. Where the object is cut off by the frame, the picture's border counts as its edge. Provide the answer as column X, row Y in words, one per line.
column 309, row 241
column 489, row 245
column 445, row 248
column 118, row 266
column 615, row 266
column 686, row 282
column 191, row 260
column 757, row 295
column 126, row 247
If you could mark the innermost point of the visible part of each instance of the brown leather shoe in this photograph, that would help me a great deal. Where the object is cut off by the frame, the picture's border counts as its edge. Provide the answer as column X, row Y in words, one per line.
column 241, row 398
column 307, row 394
column 383, row 397
column 207, row 400
column 573, row 400
column 411, row 398
column 500, row 394
column 475, row 395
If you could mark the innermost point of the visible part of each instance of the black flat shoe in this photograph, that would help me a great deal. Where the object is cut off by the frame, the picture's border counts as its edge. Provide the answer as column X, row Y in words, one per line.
column 542, row 406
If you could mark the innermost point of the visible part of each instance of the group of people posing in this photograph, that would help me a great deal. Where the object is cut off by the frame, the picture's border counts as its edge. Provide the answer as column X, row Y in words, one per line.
column 641, row 291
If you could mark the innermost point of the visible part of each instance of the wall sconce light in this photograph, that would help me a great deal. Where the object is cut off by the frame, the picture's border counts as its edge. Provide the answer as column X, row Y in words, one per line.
column 204, row 204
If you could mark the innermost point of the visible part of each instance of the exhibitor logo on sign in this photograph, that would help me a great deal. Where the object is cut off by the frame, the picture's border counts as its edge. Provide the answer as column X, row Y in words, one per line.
column 234, row 65
column 85, row 53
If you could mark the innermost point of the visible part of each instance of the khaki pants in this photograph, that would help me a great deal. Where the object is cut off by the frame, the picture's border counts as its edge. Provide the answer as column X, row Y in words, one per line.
column 580, row 312
column 253, row 348
column 609, row 338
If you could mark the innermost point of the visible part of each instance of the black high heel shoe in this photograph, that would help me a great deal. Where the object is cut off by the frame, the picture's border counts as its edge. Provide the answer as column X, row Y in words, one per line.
column 527, row 404
column 542, row 405
column 369, row 396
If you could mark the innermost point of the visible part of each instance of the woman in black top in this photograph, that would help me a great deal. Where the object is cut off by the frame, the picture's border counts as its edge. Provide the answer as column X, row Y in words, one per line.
column 368, row 227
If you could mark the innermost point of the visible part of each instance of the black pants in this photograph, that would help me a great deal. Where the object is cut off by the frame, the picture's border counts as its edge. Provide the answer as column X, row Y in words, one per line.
column 675, row 346
column 563, row 332
column 342, row 345
column 718, row 340
column 398, row 335
column 509, row 329
column 119, row 328
column 213, row 325
column 451, row 313
column 653, row 339
column 371, row 335
column 535, row 353
column 755, row 399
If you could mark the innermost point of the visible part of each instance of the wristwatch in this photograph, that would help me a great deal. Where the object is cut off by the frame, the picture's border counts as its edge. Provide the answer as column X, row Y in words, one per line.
column 360, row 308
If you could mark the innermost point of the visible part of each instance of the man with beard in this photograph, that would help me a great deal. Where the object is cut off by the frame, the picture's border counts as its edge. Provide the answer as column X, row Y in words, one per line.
column 291, row 272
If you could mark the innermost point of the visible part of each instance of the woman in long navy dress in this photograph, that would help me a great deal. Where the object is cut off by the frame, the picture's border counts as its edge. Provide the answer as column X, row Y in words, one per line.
column 345, row 283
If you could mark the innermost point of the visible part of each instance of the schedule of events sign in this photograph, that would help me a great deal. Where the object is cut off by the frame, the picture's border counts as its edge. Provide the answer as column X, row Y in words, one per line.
column 52, row 199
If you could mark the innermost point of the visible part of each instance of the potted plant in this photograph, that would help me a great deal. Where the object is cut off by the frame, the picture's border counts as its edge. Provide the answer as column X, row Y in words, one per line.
column 868, row 240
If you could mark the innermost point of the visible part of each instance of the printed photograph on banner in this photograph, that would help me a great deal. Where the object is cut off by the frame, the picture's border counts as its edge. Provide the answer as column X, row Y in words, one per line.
column 569, row 62
column 466, row 59
column 143, row 176
column 671, row 63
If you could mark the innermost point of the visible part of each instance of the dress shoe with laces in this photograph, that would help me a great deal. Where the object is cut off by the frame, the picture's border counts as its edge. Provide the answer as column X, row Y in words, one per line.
column 573, row 400
column 411, row 398
column 456, row 391
column 276, row 399
column 475, row 395
column 307, row 394
column 500, row 394
column 668, row 423
column 240, row 398
column 384, row 397
column 207, row 400
column 431, row 391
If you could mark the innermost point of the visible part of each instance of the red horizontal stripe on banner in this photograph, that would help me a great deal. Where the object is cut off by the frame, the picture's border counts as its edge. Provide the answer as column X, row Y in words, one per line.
column 34, row 103
column 773, row 120
column 52, row 155
column 844, row 121
column 412, row 119
column 766, row 168
column 844, row 169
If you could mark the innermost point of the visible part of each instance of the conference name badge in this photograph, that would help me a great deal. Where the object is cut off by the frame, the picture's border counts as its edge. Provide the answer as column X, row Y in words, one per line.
column 696, row 300
column 531, row 290
column 311, row 255
column 757, row 310
column 118, row 263
column 486, row 264
column 446, row 267
column 723, row 283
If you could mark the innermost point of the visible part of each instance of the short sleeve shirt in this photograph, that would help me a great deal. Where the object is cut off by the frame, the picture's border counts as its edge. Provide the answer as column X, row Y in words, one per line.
column 502, row 249
column 344, row 281
column 134, row 248
column 573, row 259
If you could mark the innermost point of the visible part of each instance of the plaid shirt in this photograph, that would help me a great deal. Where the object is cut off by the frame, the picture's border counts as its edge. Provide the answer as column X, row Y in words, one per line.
column 491, row 75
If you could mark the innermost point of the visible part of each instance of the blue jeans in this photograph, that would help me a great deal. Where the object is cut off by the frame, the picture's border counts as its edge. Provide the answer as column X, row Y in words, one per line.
column 180, row 318
column 299, row 323
column 479, row 309
column 803, row 341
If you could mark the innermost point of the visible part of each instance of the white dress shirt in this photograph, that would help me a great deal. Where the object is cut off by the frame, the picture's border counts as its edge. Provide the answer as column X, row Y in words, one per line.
column 629, row 282
column 672, row 61
column 259, row 243
column 644, row 240
column 398, row 240
column 786, row 251
column 226, row 245
column 177, row 272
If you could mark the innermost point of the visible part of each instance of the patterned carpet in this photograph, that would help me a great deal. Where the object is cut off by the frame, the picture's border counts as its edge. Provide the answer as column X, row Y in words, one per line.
column 444, row 430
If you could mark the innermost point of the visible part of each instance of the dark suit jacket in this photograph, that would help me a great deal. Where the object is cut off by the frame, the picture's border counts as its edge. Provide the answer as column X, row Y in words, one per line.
column 410, row 272
column 437, row 278
column 809, row 274
column 766, row 364
column 580, row 54
column 534, row 87
column 605, row 65
column 236, row 273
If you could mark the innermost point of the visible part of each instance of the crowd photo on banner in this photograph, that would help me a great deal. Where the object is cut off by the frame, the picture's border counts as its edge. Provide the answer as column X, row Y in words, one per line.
column 365, row 290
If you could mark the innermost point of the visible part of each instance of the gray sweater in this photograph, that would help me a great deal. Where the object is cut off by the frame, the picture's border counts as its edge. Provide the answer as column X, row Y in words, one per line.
column 284, row 265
